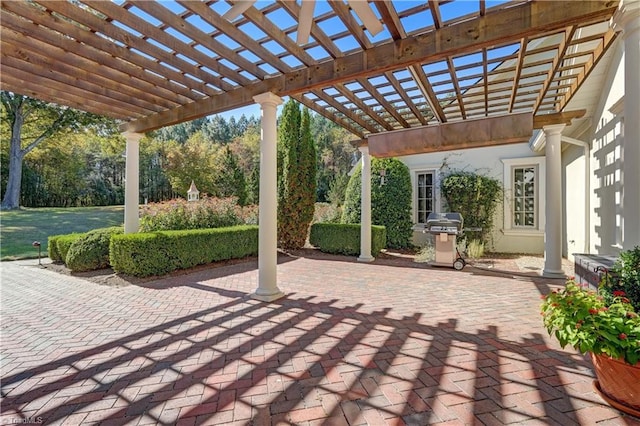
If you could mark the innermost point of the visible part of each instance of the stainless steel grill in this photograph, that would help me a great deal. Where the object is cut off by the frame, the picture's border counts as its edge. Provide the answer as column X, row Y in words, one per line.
column 445, row 227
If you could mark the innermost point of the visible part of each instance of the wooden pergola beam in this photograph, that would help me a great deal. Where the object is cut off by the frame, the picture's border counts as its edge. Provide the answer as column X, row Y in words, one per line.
column 144, row 27
column 608, row 38
column 36, row 53
column 91, row 38
column 490, row 131
column 524, row 20
column 512, row 128
column 50, row 29
column 539, row 121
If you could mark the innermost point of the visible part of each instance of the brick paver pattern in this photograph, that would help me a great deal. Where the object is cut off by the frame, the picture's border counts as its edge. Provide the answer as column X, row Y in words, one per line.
column 350, row 344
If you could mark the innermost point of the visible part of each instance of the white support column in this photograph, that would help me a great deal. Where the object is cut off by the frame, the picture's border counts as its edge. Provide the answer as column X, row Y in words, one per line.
column 365, row 208
column 628, row 19
column 268, row 290
column 553, row 203
column 132, row 183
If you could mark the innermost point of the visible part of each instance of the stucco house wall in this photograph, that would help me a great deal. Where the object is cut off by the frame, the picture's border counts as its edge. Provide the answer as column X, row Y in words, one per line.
column 491, row 161
column 575, row 208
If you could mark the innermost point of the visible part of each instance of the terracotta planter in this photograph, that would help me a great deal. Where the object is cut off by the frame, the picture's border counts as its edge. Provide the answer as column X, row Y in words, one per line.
column 618, row 383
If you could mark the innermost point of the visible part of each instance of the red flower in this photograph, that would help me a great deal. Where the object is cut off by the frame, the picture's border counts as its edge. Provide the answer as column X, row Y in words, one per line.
column 593, row 311
column 619, row 293
column 622, row 336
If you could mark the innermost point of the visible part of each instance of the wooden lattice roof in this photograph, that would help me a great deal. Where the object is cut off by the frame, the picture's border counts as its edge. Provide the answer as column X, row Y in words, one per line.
column 152, row 64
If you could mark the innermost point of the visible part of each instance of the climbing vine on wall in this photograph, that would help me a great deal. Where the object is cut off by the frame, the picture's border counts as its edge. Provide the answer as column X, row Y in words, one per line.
column 476, row 197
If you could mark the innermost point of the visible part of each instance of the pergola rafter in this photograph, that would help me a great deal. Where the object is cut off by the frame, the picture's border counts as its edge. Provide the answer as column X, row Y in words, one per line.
column 154, row 64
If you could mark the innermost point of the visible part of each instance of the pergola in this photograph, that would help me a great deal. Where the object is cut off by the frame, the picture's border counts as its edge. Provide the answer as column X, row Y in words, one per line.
column 439, row 66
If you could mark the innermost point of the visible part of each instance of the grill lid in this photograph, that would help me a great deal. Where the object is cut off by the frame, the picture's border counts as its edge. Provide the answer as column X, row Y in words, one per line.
column 444, row 222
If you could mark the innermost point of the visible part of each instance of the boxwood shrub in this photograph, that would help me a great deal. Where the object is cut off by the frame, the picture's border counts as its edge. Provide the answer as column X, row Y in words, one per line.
column 161, row 252
column 343, row 238
column 52, row 248
column 91, row 250
column 58, row 246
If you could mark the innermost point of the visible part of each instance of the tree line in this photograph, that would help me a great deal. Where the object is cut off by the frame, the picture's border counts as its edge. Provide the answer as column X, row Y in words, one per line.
column 68, row 158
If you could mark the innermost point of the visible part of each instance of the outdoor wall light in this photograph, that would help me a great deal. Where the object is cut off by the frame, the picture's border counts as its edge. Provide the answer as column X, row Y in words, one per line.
column 383, row 174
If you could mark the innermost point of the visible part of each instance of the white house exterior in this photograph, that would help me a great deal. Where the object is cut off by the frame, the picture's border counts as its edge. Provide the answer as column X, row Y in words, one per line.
column 599, row 207
column 497, row 162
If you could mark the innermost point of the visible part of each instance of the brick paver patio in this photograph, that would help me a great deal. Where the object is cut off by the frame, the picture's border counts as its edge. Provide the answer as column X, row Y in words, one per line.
column 351, row 344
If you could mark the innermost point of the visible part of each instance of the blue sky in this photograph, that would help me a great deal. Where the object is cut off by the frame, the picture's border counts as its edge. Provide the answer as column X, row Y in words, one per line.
column 249, row 110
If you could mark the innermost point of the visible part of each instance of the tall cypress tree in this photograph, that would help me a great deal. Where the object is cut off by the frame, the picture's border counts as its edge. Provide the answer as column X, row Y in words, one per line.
column 296, row 176
column 308, row 168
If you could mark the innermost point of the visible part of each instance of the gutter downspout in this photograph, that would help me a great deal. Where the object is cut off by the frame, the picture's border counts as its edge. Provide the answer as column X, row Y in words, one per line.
column 587, row 188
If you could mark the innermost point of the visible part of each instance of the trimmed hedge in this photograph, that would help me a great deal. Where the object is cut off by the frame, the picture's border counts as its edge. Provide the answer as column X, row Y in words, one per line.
column 91, row 250
column 158, row 253
column 343, row 238
column 58, row 246
column 52, row 248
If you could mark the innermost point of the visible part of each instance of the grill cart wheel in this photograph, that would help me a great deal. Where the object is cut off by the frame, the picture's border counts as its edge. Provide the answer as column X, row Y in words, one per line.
column 459, row 264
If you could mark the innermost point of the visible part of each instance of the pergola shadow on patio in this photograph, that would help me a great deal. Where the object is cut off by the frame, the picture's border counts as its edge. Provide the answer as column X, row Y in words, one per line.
column 350, row 344
column 402, row 77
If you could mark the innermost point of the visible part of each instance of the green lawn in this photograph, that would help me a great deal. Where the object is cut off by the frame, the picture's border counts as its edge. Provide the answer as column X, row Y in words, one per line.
column 20, row 228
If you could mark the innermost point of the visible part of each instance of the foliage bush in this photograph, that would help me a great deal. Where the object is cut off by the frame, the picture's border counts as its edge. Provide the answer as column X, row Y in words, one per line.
column 179, row 214
column 91, row 250
column 59, row 246
column 475, row 249
column 390, row 202
column 158, row 253
column 230, row 180
column 342, row 238
column 52, row 248
column 474, row 196
column 427, row 253
column 338, row 189
column 327, row 212
column 624, row 276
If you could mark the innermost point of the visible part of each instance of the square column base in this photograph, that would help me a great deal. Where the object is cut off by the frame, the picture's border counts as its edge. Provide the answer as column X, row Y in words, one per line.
column 267, row 297
column 366, row 259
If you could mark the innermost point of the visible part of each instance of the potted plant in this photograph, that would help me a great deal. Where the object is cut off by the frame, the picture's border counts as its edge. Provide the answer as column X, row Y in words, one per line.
column 607, row 325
